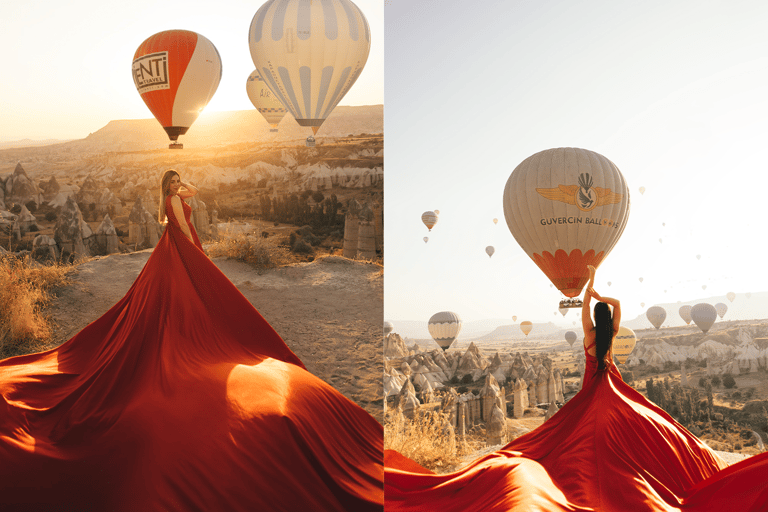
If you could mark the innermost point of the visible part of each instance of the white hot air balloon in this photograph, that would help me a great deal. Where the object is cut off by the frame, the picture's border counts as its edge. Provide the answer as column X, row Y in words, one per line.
column 731, row 296
column 567, row 208
column 444, row 327
column 703, row 287
column 570, row 337
column 642, row 190
column 490, row 250
column 685, row 313
column 388, row 327
column 640, row 279
column 429, row 219
column 609, row 283
column 704, row 315
column 426, row 239
column 642, row 304
column 309, row 53
column 656, row 315
column 563, row 311
column 265, row 102
column 721, row 309
column 698, row 256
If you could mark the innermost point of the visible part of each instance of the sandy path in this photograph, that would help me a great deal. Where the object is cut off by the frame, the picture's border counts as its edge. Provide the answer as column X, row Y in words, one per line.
column 328, row 312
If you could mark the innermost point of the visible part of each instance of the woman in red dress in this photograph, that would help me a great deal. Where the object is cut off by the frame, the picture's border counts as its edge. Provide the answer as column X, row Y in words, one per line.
column 181, row 397
column 607, row 449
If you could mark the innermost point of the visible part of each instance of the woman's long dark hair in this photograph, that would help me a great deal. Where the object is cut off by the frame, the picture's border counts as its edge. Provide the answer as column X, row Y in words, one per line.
column 603, row 333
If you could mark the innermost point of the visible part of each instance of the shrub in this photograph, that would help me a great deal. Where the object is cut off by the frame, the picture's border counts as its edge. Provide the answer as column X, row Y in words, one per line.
column 51, row 216
column 31, row 206
column 737, row 395
column 467, row 379
column 462, row 390
column 716, row 381
column 728, row 381
column 301, row 247
column 16, row 209
column 262, row 253
column 702, row 382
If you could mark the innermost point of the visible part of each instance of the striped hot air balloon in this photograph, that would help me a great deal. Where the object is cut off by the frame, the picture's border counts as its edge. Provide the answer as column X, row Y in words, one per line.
column 264, row 101
column 429, row 219
column 444, row 327
column 623, row 344
column 176, row 72
column 309, row 53
column 526, row 327
column 567, row 208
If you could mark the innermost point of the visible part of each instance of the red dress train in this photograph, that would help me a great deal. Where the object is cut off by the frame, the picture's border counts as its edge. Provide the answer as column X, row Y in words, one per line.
column 181, row 397
column 607, row 449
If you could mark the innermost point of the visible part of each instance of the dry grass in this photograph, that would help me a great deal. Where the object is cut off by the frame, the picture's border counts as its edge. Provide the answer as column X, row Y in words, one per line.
column 262, row 253
column 425, row 440
column 25, row 288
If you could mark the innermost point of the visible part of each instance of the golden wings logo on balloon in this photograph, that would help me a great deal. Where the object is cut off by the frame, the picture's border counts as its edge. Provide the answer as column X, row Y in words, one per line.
column 584, row 195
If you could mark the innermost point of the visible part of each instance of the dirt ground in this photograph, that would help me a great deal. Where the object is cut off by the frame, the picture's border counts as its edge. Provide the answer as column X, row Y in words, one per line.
column 328, row 312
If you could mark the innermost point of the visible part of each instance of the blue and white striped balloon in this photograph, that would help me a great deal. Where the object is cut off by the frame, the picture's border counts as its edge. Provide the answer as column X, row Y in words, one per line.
column 310, row 53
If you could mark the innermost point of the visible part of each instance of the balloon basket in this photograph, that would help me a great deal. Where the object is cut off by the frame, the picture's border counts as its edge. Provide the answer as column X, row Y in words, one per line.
column 310, row 142
column 571, row 303
column 175, row 145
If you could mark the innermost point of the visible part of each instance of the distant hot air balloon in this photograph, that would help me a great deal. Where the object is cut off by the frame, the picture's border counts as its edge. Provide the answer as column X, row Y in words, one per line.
column 642, row 190
column 721, row 309
column 437, row 212
column 731, row 296
column 698, row 256
column 564, row 311
column 388, row 327
column 685, row 313
column 642, row 304
column 703, row 287
column 444, row 327
column 609, row 283
column 749, row 294
column 495, row 221
column 704, row 315
column 426, row 239
column 640, row 279
column 526, row 327
column 570, row 337
column 490, row 250
column 567, row 208
column 659, row 240
column 656, row 315
column 176, row 72
column 429, row 219
column 514, row 318
column 309, row 53
column 623, row 344
column 265, row 102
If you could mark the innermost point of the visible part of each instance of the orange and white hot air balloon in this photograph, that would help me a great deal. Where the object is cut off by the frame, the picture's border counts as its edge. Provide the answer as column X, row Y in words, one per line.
column 176, row 72
column 567, row 208
column 309, row 53
column 264, row 101
column 526, row 327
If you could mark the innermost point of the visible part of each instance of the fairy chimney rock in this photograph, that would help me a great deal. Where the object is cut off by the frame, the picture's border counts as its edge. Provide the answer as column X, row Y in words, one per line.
column 106, row 236
column 19, row 188
column 68, row 231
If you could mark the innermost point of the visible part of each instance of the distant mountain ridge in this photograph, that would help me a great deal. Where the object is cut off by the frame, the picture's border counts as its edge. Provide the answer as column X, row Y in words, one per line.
column 209, row 130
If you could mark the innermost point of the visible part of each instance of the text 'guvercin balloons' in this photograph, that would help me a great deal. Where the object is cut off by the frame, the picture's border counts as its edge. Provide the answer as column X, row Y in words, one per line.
column 567, row 208
column 264, row 101
column 444, row 327
column 176, row 72
column 309, row 53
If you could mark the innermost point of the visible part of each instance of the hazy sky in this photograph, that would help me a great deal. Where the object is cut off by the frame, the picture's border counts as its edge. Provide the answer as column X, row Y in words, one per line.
column 674, row 93
column 67, row 65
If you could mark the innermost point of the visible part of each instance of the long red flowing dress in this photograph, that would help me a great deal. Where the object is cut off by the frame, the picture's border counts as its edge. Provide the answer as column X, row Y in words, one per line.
column 607, row 449
column 181, row 397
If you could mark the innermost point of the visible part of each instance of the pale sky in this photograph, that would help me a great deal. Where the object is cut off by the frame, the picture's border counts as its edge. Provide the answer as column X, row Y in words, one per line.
column 674, row 93
column 67, row 65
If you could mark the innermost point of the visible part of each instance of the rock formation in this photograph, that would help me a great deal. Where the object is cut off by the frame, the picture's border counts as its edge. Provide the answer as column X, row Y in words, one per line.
column 106, row 236
column 394, row 346
column 68, row 231
column 20, row 189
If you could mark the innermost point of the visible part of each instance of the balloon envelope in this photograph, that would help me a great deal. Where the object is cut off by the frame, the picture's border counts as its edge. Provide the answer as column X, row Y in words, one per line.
column 624, row 344
column 490, row 250
column 426, row 239
column 264, row 101
column 685, row 313
column 570, row 337
column 495, row 221
column 704, row 315
column 309, row 53
column 564, row 311
column 721, row 309
column 176, row 72
column 429, row 219
column 444, row 327
column 388, row 327
column 514, row 318
column 567, row 208
column 656, row 315
column 526, row 327
column 731, row 296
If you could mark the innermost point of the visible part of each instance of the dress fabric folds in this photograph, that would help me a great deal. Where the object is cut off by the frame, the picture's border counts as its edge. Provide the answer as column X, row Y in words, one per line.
column 181, row 397
column 607, row 449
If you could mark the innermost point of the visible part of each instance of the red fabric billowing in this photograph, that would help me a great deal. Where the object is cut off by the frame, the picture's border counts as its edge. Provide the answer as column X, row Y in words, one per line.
column 607, row 449
column 181, row 397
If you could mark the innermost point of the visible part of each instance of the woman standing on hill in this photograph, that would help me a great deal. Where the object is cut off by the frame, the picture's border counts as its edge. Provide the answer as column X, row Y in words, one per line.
column 181, row 397
column 598, row 337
